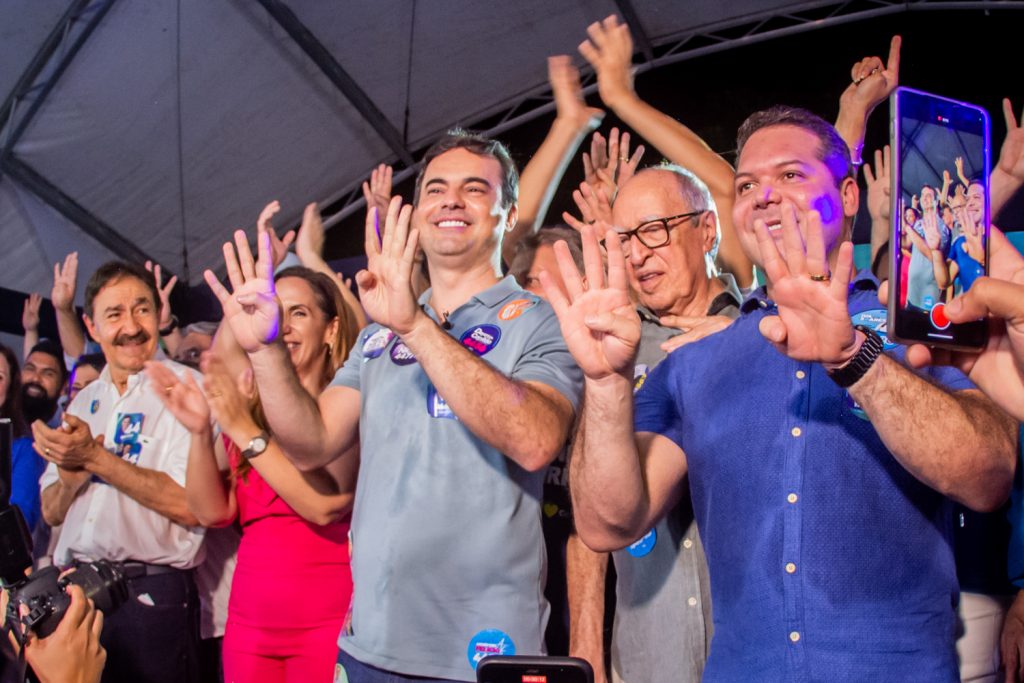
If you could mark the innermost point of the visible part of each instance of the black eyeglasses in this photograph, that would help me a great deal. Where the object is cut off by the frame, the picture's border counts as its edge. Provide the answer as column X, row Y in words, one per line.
column 652, row 234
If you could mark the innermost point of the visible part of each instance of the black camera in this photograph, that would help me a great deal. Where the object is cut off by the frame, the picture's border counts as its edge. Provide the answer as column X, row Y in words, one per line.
column 44, row 591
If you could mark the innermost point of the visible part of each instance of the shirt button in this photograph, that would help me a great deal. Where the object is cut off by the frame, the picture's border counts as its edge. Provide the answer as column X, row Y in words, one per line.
column 792, row 498
column 687, row 544
column 692, row 602
column 796, row 431
column 790, row 568
column 794, row 636
column 800, row 374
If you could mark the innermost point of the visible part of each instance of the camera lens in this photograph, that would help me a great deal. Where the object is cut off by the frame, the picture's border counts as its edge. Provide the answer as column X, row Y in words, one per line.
column 103, row 582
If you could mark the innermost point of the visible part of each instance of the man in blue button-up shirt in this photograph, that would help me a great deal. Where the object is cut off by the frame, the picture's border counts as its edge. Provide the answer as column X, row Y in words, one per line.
column 823, row 509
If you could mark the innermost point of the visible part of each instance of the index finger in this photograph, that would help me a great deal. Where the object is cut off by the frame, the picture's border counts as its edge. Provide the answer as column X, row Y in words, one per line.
column 1011, row 120
column 893, row 63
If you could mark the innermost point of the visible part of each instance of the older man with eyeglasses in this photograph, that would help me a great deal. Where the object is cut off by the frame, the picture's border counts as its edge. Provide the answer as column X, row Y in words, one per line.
column 668, row 232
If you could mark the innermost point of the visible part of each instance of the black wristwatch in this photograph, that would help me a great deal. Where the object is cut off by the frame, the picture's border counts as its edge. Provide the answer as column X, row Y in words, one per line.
column 171, row 327
column 862, row 361
column 256, row 446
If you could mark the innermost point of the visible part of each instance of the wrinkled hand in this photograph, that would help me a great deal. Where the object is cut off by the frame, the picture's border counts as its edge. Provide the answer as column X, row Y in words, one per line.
column 1011, row 156
column 872, row 81
column 70, row 446
column 594, row 206
column 607, row 168
column 813, row 322
column 570, row 106
column 878, row 186
column 609, row 49
column 385, row 287
column 164, row 292
column 600, row 326
column 30, row 312
column 252, row 311
column 183, row 398
column 72, row 653
column 65, row 279
column 278, row 246
column 998, row 369
column 377, row 192
column 694, row 329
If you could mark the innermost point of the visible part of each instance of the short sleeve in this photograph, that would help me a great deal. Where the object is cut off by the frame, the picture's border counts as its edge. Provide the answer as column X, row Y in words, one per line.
column 348, row 374
column 655, row 409
column 546, row 359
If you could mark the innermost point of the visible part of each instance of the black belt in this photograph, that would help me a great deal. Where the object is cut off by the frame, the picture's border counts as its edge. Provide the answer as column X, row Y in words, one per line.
column 134, row 570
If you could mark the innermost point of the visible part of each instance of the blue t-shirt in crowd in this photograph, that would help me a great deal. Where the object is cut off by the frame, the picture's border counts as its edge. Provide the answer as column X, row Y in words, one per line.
column 970, row 269
column 828, row 560
column 26, row 468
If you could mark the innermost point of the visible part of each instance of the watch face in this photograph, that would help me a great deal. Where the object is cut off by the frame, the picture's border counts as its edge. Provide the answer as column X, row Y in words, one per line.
column 258, row 445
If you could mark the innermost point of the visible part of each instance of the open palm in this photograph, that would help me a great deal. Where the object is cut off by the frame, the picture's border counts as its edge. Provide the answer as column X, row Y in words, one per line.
column 252, row 311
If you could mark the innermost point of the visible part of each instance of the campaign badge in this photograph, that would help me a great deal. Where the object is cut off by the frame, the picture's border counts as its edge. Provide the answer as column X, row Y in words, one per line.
column 436, row 406
column 94, row 406
column 129, row 426
column 877, row 320
column 401, row 355
column 645, row 545
column 514, row 309
column 487, row 643
column 481, row 338
column 376, row 343
column 639, row 376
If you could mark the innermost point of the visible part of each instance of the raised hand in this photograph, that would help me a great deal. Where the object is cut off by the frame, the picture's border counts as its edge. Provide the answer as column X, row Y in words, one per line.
column 278, row 246
column 600, row 326
column 1011, row 156
column 595, row 208
column 570, row 106
column 872, row 81
column 252, row 310
column 385, row 287
column 310, row 240
column 65, row 278
column 932, row 236
column 30, row 312
column 958, row 163
column 878, row 186
column 183, row 398
column 609, row 49
column 377, row 192
column 606, row 169
column 164, row 292
column 813, row 322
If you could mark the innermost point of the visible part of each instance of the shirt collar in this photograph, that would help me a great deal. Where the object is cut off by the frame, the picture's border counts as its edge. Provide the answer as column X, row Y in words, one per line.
column 490, row 297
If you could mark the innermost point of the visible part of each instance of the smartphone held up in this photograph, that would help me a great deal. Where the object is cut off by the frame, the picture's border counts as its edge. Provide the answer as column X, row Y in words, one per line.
column 940, row 214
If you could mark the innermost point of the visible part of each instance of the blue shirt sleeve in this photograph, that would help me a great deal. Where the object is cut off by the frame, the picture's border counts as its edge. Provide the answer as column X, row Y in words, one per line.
column 656, row 408
column 26, row 468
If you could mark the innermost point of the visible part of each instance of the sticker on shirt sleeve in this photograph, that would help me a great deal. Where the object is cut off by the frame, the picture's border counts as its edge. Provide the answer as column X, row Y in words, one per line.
column 401, row 355
column 487, row 643
column 481, row 339
column 376, row 343
column 129, row 426
column 94, row 406
column 514, row 309
column 877, row 320
column 436, row 406
column 639, row 376
column 645, row 545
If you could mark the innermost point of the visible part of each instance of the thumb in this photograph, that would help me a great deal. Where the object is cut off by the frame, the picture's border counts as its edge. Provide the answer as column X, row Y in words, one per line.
column 72, row 422
column 773, row 329
column 680, row 322
column 612, row 324
column 365, row 280
column 988, row 296
column 101, row 439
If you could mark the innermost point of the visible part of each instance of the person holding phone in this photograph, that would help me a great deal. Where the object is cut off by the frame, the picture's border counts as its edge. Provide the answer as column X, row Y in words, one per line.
column 818, row 477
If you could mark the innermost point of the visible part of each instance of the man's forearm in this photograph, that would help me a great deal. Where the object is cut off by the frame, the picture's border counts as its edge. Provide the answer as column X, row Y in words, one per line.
column 70, row 333
column 293, row 414
column 155, row 490
column 527, row 424
column 56, row 501
column 605, row 475
column 959, row 444
column 585, row 581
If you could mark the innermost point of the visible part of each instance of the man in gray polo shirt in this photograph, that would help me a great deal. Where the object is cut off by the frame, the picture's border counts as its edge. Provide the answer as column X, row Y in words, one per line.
column 459, row 402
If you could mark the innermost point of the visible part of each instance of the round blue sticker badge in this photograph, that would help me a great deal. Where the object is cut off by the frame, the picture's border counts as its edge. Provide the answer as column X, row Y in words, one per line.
column 645, row 545
column 94, row 406
column 489, row 642
column 481, row 338
column 376, row 343
column 401, row 355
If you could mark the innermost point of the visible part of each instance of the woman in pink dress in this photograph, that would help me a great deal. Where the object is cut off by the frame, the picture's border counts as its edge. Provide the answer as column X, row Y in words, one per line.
column 292, row 584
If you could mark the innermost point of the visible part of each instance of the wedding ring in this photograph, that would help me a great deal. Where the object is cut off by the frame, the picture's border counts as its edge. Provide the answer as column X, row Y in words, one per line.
column 46, row 450
column 821, row 278
column 168, row 389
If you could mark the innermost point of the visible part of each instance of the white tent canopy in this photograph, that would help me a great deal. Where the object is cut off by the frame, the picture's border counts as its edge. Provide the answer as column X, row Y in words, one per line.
column 152, row 128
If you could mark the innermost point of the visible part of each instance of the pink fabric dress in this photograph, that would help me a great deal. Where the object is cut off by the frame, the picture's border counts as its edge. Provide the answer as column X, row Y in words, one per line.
column 291, row 589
